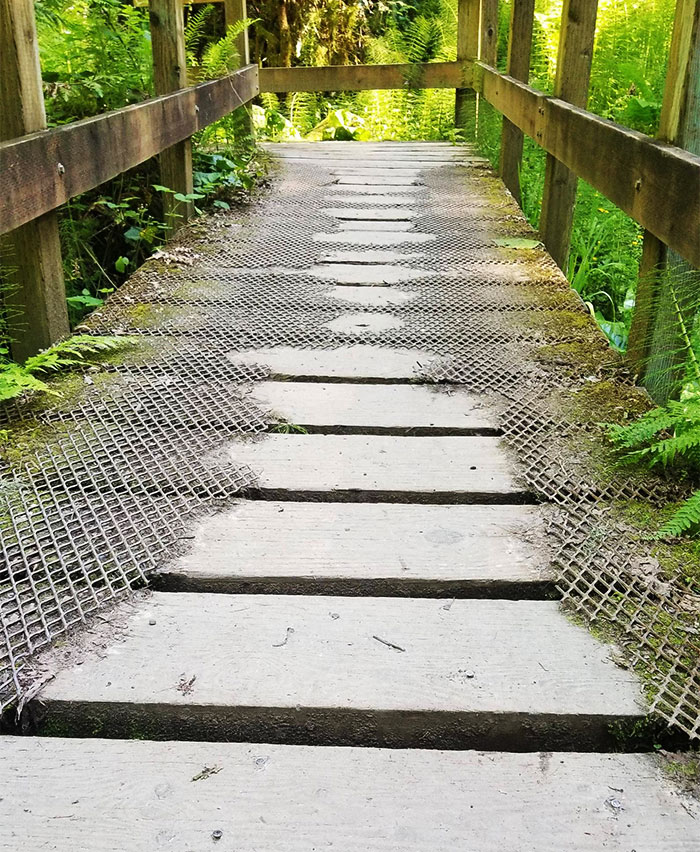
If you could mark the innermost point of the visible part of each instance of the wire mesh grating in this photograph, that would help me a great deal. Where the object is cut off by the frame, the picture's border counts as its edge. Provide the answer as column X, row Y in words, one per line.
column 97, row 508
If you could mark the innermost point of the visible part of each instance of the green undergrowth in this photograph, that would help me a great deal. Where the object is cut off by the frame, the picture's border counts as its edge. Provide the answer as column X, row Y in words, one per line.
column 34, row 375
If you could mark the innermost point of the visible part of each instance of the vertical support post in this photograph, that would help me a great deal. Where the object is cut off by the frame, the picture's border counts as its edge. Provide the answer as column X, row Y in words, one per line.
column 571, row 84
column 235, row 11
column 31, row 255
column 667, row 289
column 468, row 14
column 477, row 38
column 522, row 14
column 170, row 74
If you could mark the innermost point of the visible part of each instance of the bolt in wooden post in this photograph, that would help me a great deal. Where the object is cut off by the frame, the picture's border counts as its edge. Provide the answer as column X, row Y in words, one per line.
column 30, row 255
column 169, row 75
column 571, row 84
column 235, row 11
column 668, row 288
column 522, row 15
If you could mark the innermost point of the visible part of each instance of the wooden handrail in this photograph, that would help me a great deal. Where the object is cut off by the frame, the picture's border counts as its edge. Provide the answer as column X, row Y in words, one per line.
column 359, row 78
column 41, row 171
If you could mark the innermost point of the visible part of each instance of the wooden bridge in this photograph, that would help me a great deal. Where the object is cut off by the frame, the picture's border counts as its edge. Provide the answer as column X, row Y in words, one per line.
column 353, row 454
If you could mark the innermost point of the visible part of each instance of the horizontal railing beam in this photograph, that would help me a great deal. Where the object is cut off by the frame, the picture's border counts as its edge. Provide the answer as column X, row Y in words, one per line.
column 657, row 185
column 43, row 170
column 359, row 78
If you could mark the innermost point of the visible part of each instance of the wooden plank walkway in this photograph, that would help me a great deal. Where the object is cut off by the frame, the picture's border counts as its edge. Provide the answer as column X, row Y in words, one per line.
column 364, row 653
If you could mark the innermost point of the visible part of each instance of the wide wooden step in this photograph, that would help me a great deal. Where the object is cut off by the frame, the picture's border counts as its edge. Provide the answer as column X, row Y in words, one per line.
column 375, row 408
column 359, row 362
column 380, row 467
column 93, row 796
column 510, row 675
column 366, row 549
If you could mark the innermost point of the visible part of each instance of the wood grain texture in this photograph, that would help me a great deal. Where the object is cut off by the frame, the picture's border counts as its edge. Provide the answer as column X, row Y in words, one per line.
column 358, row 362
column 455, row 468
column 656, row 346
column 377, row 548
column 658, row 185
column 373, row 406
column 571, row 85
column 167, row 22
column 357, row 78
column 526, row 657
column 97, row 149
column 522, row 16
column 139, row 796
column 32, row 262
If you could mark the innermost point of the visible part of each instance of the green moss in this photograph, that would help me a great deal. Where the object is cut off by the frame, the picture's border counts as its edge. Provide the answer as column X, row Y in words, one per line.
column 583, row 358
column 606, row 401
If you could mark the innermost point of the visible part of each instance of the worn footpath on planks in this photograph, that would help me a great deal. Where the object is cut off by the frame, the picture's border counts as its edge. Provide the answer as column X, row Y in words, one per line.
column 366, row 652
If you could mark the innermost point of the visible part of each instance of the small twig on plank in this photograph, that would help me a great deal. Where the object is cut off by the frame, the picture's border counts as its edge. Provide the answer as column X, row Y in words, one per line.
column 388, row 644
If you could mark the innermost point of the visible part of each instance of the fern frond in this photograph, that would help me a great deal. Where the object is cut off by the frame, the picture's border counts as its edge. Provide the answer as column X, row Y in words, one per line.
column 70, row 352
column 195, row 30
column 683, row 520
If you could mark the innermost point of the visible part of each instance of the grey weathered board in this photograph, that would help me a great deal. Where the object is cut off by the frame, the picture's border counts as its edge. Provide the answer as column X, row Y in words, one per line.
column 374, row 406
column 101, row 796
column 472, row 673
column 358, row 362
column 461, row 469
column 366, row 548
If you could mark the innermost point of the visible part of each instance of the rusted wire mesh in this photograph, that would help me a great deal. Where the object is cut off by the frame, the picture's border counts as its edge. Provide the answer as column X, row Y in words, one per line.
column 93, row 512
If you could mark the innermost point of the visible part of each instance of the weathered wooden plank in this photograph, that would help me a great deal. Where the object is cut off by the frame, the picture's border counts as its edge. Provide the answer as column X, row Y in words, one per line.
column 383, row 800
column 357, row 362
column 376, row 238
column 571, row 85
column 374, row 406
column 656, row 184
column 372, row 275
column 34, row 289
column 167, row 24
column 41, row 171
column 452, row 469
column 468, row 18
column 298, row 668
column 366, row 548
column 522, row 15
column 657, row 347
column 357, row 78
column 374, row 296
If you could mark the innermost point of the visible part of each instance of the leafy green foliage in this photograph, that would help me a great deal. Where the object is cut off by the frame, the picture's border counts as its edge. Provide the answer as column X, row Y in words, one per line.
column 17, row 379
column 668, row 436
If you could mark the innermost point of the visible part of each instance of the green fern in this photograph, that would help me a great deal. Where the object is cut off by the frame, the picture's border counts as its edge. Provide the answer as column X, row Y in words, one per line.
column 17, row 379
column 686, row 519
column 664, row 437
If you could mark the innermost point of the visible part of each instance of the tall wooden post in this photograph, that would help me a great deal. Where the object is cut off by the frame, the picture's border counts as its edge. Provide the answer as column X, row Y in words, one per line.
column 468, row 12
column 477, row 38
column 522, row 15
column 169, row 75
column 668, row 288
column 235, row 11
column 31, row 255
column 571, row 84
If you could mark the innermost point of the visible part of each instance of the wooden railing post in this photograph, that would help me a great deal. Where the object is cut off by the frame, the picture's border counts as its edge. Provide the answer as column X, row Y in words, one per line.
column 571, row 84
column 467, row 48
column 31, row 255
column 169, row 75
column 668, row 289
column 477, row 38
column 234, row 12
column 522, row 15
